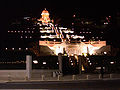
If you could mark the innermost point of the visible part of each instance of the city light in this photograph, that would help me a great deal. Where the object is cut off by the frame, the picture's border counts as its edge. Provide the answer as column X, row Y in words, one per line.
column 13, row 48
column 26, row 48
column 35, row 61
column 105, row 52
column 72, row 64
column 106, row 23
column 112, row 62
column 68, row 31
column 44, row 63
column 63, row 28
column 19, row 48
column 74, row 15
column 89, row 61
column 30, row 36
column 90, row 64
column 75, row 37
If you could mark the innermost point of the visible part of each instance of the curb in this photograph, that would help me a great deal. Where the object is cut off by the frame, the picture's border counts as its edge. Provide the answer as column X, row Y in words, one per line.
column 26, row 81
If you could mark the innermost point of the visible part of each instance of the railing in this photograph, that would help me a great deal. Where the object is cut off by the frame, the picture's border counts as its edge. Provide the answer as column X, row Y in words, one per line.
column 10, row 78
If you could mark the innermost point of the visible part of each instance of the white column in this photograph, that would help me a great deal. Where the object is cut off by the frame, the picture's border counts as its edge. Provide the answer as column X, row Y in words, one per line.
column 28, row 66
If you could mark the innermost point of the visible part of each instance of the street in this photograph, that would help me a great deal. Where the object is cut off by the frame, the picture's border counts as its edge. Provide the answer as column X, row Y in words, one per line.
column 74, row 85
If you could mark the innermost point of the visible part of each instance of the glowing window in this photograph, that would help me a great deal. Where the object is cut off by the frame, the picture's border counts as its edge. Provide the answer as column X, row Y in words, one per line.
column 26, row 48
column 112, row 62
column 19, row 48
column 44, row 63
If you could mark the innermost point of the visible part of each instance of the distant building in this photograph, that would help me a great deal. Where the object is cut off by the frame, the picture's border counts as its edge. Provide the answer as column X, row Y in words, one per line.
column 82, row 39
column 92, row 28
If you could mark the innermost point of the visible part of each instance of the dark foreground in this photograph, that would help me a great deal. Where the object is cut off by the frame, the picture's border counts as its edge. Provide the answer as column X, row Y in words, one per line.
column 79, row 85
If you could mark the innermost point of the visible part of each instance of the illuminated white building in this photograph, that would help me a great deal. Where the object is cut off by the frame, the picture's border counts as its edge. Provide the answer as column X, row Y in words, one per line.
column 60, row 40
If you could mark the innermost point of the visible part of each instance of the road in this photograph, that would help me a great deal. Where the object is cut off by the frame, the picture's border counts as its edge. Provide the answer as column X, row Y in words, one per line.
column 74, row 85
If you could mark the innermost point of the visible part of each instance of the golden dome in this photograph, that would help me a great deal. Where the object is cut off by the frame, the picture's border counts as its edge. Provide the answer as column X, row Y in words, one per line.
column 45, row 17
column 45, row 11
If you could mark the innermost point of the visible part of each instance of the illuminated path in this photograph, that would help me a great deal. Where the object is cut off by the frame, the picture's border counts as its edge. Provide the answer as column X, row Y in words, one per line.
column 74, row 85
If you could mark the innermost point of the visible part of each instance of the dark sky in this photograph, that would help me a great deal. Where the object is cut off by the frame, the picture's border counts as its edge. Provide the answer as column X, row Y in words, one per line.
column 11, row 9
column 16, row 10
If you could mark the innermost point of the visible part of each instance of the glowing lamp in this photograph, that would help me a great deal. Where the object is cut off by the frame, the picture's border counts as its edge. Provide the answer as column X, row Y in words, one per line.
column 44, row 63
column 35, row 62
column 112, row 62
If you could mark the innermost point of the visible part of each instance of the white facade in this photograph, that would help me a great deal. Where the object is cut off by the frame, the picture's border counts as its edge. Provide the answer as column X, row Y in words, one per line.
column 76, row 48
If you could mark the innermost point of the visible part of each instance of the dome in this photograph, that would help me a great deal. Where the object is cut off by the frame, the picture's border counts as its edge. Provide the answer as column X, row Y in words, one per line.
column 45, row 11
column 45, row 17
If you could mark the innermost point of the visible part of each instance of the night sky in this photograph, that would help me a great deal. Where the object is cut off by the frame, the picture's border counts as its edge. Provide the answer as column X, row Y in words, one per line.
column 17, row 8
